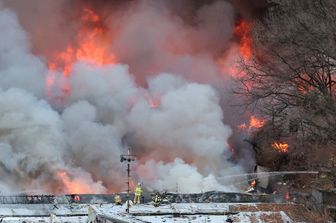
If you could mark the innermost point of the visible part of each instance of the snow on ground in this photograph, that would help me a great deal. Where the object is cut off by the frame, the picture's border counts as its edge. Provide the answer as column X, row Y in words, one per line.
column 176, row 212
column 172, row 208
column 42, row 209
column 190, row 212
column 76, row 219
column 241, row 217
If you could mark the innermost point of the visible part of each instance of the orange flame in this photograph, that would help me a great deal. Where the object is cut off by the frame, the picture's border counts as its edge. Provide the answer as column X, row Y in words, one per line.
column 72, row 185
column 280, row 147
column 243, row 126
column 91, row 45
column 243, row 48
column 255, row 123
column 242, row 30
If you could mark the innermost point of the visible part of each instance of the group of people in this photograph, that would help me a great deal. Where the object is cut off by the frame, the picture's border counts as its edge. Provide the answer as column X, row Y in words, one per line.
column 156, row 197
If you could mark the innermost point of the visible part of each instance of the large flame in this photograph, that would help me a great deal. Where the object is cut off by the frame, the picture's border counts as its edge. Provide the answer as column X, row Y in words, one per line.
column 243, row 49
column 242, row 31
column 72, row 185
column 91, row 45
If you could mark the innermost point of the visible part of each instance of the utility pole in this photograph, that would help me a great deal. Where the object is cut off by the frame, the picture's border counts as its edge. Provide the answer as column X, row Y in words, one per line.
column 128, row 158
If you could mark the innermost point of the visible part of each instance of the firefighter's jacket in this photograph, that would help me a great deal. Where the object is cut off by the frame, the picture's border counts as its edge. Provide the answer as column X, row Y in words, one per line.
column 157, row 199
column 117, row 199
column 138, row 191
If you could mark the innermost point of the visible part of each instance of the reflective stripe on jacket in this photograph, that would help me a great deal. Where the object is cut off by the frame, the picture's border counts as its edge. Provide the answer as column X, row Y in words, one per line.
column 138, row 191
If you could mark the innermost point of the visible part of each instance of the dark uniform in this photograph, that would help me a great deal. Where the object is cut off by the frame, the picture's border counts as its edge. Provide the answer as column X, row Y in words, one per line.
column 157, row 199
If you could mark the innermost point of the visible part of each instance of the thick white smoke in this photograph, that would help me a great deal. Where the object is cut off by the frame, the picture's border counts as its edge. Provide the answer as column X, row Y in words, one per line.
column 33, row 145
column 18, row 68
column 179, row 176
column 189, row 119
column 180, row 141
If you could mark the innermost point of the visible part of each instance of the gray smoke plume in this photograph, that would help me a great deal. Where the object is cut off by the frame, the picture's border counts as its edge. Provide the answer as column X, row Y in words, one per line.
column 172, row 119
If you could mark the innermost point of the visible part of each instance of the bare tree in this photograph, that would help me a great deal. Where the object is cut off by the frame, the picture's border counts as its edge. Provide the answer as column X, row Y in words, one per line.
column 292, row 76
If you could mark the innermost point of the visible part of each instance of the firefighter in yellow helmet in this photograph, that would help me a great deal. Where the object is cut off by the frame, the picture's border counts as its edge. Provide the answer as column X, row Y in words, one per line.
column 117, row 199
column 137, row 194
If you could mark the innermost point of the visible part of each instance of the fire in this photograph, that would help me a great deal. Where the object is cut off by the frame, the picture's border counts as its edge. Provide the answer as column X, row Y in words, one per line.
column 280, row 147
column 243, row 49
column 91, row 45
column 242, row 30
column 243, row 126
column 76, row 198
column 253, row 183
column 255, row 123
column 73, row 185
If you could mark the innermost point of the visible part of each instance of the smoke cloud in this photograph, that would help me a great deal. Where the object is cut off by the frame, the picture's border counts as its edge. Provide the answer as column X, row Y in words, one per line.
column 159, row 99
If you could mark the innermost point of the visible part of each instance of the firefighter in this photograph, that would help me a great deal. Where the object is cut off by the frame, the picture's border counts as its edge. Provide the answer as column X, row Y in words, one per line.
column 117, row 200
column 137, row 194
column 157, row 199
